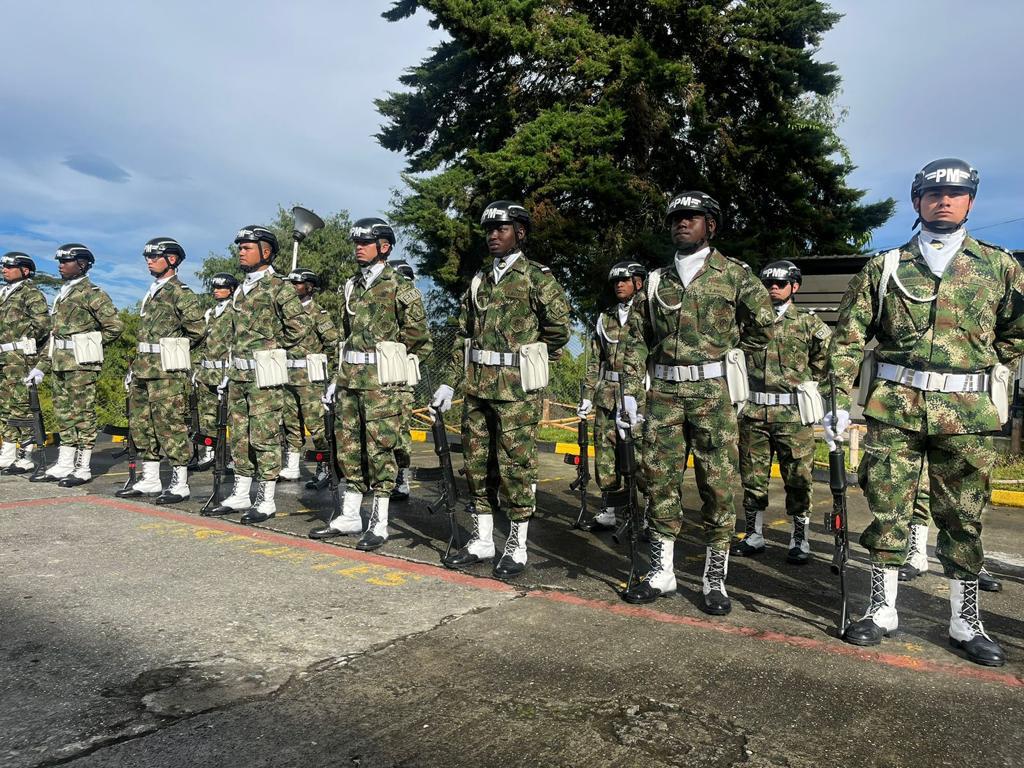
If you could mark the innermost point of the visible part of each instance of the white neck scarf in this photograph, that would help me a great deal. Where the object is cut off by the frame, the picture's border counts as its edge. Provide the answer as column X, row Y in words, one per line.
column 781, row 310
column 371, row 273
column 254, row 277
column 501, row 265
column 624, row 311
column 221, row 306
column 939, row 248
column 688, row 266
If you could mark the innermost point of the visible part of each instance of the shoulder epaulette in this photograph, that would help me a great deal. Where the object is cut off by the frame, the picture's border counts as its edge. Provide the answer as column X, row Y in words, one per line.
column 993, row 246
column 541, row 267
column 737, row 261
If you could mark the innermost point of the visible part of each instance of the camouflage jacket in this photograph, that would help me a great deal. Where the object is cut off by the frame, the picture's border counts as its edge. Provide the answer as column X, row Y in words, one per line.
column 173, row 311
column 216, row 345
column 618, row 348
column 975, row 321
column 270, row 316
column 84, row 309
column 724, row 307
column 320, row 337
column 796, row 353
column 526, row 306
column 23, row 315
column 390, row 309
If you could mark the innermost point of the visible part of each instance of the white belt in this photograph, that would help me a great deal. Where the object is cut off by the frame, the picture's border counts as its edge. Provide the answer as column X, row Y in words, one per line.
column 610, row 376
column 689, row 372
column 296, row 363
column 153, row 349
column 933, row 381
column 772, row 398
column 14, row 346
column 353, row 358
column 243, row 364
column 63, row 343
column 215, row 364
column 490, row 357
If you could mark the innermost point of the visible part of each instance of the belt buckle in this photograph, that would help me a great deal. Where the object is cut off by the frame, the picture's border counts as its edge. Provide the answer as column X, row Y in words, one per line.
column 693, row 371
column 487, row 357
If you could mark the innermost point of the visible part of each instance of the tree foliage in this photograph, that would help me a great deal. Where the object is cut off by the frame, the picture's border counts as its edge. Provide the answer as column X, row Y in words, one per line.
column 594, row 112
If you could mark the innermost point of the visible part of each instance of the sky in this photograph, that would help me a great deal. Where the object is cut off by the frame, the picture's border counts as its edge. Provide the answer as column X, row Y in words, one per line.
column 126, row 121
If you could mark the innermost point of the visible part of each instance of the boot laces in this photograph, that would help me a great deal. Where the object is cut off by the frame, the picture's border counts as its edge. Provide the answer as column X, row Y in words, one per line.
column 374, row 516
column 476, row 526
column 969, row 608
column 716, row 569
column 877, row 600
column 261, row 494
column 751, row 516
column 512, row 543
column 657, row 557
column 799, row 529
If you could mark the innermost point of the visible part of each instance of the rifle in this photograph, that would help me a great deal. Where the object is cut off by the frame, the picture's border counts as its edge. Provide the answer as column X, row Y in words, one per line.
column 194, row 427
column 582, row 463
column 35, row 423
column 330, row 458
column 449, row 491
column 835, row 521
column 219, row 443
column 129, row 443
column 625, row 451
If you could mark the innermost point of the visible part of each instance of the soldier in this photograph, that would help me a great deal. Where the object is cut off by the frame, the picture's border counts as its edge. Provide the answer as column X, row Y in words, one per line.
column 384, row 323
column 617, row 352
column 947, row 312
column 83, row 321
column 303, row 410
column 267, row 320
column 403, row 451
column 513, row 312
column 214, row 356
column 24, row 325
column 700, row 311
column 170, row 324
column 771, row 422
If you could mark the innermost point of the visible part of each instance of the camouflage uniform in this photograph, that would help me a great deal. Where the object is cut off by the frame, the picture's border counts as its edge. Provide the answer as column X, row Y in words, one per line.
column 213, row 358
column 723, row 308
column 795, row 354
column 975, row 320
column 23, row 316
column 158, row 399
column 370, row 417
column 499, row 419
column 303, row 409
column 80, row 307
column 267, row 316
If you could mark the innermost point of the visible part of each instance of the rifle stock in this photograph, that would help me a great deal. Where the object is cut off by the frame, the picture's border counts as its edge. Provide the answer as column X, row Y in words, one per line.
column 220, row 452
column 626, row 459
column 836, row 520
column 329, row 459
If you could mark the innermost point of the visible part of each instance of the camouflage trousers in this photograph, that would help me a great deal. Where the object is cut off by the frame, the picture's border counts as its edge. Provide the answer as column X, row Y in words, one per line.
column 403, row 451
column 958, row 469
column 499, row 439
column 706, row 428
column 367, row 430
column 793, row 443
column 158, row 417
column 207, row 408
column 304, row 412
column 606, row 465
column 254, row 419
column 74, row 406
column 14, row 401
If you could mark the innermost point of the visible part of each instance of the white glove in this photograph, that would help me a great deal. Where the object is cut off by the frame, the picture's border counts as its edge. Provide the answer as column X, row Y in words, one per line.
column 585, row 408
column 328, row 396
column 834, row 432
column 631, row 417
column 35, row 376
column 127, row 381
column 442, row 400
column 223, row 386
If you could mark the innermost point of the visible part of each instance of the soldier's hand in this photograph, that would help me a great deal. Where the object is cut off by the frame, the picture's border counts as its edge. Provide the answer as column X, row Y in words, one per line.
column 223, row 386
column 627, row 415
column 35, row 376
column 834, row 432
column 127, row 381
column 585, row 408
column 328, row 396
column 442, row 400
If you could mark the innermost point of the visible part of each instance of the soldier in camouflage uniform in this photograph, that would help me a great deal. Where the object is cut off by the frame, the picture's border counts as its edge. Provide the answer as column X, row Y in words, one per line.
column 403, row 451
column 79, row 308
column 617, row 353
column 511, row 302
column 699, row 312
column 267, row 317
column 303, row 410
column 24, row 326
column 158, row 387
column 384, row 315
column 947, row 311
column 213, row 358
column 770, row 422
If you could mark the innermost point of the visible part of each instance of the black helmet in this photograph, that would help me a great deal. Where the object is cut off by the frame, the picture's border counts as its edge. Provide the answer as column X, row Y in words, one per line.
column 402, row 267
column 505, row 212
column 782, row 270
column 223, row 280
column 162, row 246
column 75, row 252
column 18, row 259
column 304, row 276
column 694, row 201
column 254, row 233
column 945, row 172
column 370, row 230
column 627, row 269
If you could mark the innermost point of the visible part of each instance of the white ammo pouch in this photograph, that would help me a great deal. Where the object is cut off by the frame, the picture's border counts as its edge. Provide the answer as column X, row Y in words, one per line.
column 533, row 366
column 88, row 347
column 392, row 362
column 412, row 370
column 810, row 403
column 271, row 368
column 316, row 367
column 736, row 376
column 999, row 384
column 174, row 354
column 867, row 377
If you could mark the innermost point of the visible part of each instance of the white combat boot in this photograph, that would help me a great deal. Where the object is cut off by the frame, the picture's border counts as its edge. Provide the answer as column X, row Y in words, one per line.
column 917, row 554
column 716, row 568
column 799, row 545
column 8, row 453
column 880, row 618
column 479, row 547
column 660, row 580
column 82, row 473
column 239, row 498
column 377, row 529
column 965, row 628
column 753, row 543
column 513, row 559
column 349, row 522
column 263, row 506
column 291, row 469
column 148, row 485
column 24, row 462
column 178, row 490
column 64, row 466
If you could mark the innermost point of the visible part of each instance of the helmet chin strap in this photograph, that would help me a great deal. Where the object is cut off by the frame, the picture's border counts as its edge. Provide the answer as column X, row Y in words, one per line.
column 167, row 268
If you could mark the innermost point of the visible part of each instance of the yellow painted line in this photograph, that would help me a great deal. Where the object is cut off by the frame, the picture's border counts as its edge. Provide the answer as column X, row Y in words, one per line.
column 418, row 435
column 573, row 449
column 1008, row 498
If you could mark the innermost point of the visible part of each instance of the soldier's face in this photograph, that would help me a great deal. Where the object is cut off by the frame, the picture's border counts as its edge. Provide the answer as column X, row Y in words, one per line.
column 220, row 294
column 303, row 289
column 501, row 238
column 366, row 253
column 248, row 255
column 69, row 270
column 689, row 228
column 624, row 288
column 944, row 205
column 11, row 274
column 781, row 291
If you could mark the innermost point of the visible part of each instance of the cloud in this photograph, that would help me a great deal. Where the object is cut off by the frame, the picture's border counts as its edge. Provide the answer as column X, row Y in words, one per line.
column 100, row 167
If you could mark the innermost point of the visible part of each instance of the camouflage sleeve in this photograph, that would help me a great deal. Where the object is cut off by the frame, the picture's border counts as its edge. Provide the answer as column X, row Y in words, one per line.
column 38, row 317
column 853, row 330
column 818, row 351
column 593, row 364
column 634, row 361
column 754, row 314
column 193, row 320
column 412, row 322
column 1009, row 341
column 103, row 310
column 552, row 310
column 454, row 369
column 293, row 319
column 327, row 334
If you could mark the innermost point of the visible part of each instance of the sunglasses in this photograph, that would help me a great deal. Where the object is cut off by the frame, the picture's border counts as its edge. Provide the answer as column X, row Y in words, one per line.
column 775, row 283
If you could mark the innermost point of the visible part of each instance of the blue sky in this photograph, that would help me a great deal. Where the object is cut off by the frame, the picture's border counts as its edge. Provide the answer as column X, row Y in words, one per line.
column 124, row 121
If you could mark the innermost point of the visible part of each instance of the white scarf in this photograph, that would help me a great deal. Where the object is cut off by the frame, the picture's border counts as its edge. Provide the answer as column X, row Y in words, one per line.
column 688, row 266
column 939, row 249
column 501, row 266
column 8, row 289
column 254, row 277
column 64, row 291
column 781, row 310
column 624, row 311
column 153, row 290
column 221, row 306
column 371, row 273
